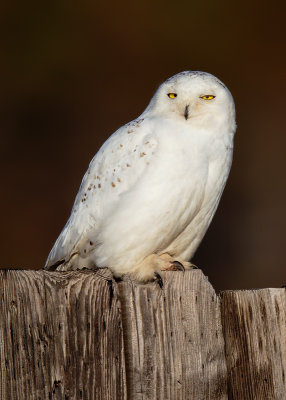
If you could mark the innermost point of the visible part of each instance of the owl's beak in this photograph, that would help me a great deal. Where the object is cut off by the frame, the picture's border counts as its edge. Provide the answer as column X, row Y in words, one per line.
column 186, row 113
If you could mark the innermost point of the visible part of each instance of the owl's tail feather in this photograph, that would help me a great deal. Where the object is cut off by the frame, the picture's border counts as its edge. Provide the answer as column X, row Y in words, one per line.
column 75, row 255
column 54, row 266
column 75, row 262
column 62, row 264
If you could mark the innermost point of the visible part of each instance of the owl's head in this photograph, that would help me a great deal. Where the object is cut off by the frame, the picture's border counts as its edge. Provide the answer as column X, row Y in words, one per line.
column 195, row 97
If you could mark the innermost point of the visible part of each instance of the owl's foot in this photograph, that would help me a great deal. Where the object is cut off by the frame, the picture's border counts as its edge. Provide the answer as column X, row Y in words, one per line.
column 176, row 263
column 175, row 266
column 149, row 269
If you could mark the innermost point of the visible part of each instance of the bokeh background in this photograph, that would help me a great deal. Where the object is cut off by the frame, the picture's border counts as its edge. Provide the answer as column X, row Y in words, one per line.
column 72, row 73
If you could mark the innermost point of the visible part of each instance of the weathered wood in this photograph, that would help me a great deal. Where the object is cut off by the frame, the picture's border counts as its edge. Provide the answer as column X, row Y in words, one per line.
column 255, row 337
column 80, row 335
column 174, row 347
column 60, row 337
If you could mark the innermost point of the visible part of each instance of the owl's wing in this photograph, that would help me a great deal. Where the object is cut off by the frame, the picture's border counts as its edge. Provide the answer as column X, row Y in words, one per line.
column 116, row 167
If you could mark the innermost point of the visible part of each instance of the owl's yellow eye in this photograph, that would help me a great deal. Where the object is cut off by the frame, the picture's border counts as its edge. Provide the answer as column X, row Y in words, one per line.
column 208, row 97
column 172, row 95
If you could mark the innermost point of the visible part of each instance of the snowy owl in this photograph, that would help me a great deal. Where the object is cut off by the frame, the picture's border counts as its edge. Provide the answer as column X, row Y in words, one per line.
column 152, row 189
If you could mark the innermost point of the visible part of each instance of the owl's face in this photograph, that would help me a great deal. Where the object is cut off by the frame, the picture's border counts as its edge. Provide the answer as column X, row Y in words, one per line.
column 195, row 98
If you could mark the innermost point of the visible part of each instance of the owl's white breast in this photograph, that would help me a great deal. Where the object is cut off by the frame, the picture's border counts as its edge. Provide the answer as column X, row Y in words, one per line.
column 184, row 182
column 185, row 245
column 203, row 162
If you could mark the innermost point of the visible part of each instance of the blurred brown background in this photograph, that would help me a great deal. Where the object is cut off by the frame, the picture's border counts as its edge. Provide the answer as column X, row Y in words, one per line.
column 72, row 73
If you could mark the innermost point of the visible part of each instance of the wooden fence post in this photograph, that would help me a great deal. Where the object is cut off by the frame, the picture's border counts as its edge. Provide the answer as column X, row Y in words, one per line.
column 174, row 346
column 255, row 338
column 81, row 335
column 60, row 337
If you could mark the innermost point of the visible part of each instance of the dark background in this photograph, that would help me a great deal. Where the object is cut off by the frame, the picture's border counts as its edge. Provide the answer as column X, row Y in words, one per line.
column 72, row 73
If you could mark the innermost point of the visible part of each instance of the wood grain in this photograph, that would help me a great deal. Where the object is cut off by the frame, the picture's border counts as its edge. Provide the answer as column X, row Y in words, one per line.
column 254, row 324
column 173, row 339
column 60, row 336
column 80, row 335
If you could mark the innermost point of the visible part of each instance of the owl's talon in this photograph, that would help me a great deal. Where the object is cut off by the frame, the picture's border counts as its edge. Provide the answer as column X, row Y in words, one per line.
column 159, row 280
column 176, row 266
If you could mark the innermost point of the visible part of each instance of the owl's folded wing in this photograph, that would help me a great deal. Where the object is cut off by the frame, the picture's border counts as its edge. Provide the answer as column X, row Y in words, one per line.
column 115, row 169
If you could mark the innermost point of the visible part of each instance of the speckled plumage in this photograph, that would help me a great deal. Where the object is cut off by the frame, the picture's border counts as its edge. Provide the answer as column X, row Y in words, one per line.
column 152, row 189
